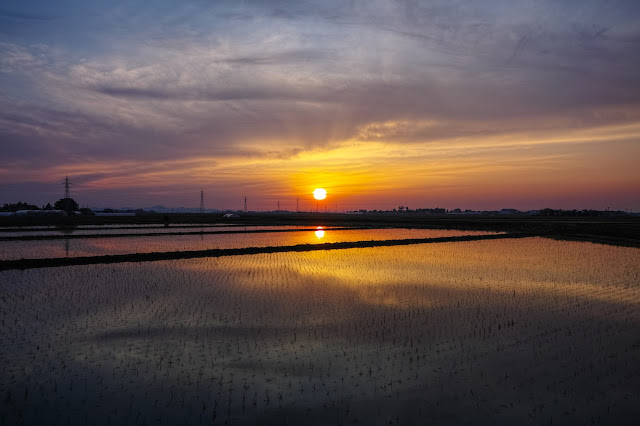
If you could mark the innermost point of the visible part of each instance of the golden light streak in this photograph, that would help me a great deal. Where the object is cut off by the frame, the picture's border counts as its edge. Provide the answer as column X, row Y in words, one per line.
column 498, row 165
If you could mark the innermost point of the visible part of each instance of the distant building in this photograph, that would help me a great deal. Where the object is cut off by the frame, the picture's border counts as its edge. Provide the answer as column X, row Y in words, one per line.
column 40, row 213
column 458, row 211
column 509, row 211
column 230, row 215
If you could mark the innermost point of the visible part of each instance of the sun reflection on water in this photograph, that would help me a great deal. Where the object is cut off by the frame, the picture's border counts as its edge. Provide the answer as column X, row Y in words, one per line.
column 319, row 232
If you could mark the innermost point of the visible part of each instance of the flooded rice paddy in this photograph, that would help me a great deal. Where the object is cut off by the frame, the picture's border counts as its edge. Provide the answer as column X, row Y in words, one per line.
column 480, row 332
column 38, row 249
column 136, row 229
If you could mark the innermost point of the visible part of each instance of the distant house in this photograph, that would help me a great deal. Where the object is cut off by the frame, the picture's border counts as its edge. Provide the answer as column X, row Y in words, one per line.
column 458, row 211
column 40, row 213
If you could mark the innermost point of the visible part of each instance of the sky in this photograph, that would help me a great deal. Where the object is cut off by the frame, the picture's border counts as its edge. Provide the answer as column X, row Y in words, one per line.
column 466, row 104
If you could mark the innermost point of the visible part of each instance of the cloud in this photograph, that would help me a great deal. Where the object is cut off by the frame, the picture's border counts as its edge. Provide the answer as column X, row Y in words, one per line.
column 15, row 58
column 23, row 16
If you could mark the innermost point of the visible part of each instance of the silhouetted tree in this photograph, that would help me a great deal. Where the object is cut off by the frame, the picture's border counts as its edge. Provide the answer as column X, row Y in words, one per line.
column 66, row 204
column 14, row 207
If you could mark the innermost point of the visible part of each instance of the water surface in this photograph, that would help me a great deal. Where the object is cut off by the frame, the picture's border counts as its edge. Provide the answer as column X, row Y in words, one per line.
column 140, row 229
column 486, row 332
column 37, row 249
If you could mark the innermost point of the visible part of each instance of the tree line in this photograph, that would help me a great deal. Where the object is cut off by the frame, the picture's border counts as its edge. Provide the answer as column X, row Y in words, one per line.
column 68, row 205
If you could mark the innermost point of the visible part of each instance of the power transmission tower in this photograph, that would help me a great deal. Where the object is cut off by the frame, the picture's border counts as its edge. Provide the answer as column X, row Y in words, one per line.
column 67, row 185
column 297, row 205
column 278, row 205
column 245, row 204
column 201, row 201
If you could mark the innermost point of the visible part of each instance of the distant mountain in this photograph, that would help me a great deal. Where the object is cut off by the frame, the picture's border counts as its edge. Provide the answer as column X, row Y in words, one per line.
column 159, row 209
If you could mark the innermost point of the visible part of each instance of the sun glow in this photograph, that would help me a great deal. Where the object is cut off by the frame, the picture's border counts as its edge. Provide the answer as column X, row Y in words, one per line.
column 320, row 194
column 319, row 232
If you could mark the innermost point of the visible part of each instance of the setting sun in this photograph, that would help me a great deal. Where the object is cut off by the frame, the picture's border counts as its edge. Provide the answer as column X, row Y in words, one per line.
column 320, row 194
